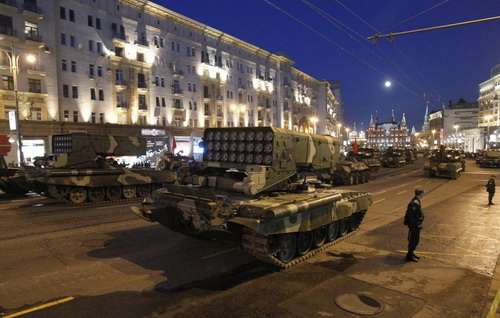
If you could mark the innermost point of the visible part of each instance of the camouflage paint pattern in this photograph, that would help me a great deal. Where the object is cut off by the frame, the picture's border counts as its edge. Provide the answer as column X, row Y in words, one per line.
column 444, row 162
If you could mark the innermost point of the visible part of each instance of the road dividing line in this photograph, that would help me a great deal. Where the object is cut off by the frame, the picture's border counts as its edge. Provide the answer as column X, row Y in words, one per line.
column 494, row 306
column 428, row 181
column 378, row 201
column 57, row 302
column 448, row 254
column 417, row 186
column 220, row 253
column 401, row 192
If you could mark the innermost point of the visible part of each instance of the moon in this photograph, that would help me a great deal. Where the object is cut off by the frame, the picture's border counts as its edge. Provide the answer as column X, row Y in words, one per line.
column 388, row 84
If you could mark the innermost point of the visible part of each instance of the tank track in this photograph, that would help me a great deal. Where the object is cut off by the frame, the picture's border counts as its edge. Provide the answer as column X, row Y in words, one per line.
column 100, row 202
column 256, row 245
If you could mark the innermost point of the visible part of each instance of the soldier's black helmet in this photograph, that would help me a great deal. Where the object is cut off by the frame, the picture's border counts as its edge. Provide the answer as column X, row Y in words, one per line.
column 419, row 191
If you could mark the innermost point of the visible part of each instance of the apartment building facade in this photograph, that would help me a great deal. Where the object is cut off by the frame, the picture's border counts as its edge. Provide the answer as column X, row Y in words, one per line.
column 130, row 67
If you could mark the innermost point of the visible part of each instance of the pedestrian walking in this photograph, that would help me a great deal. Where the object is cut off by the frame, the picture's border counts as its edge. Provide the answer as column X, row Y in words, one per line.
column 490, row 188
column 414, row 218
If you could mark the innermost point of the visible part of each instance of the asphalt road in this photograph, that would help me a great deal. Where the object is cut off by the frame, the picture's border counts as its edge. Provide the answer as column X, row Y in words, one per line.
column 105, row 262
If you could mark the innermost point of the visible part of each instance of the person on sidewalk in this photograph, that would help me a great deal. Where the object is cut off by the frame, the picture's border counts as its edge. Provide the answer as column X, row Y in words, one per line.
column 490, row 188
column 414, row 218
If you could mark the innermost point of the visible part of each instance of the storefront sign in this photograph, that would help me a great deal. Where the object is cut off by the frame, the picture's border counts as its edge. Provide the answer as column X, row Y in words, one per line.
column 153, row 132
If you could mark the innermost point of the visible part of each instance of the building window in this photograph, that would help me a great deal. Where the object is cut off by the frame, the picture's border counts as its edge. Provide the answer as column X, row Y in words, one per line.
column 34, row 85
column 120, row 78
column 92, row 94
column 72, row 41
column 8, row 82
column 73, row 66
column 163, row 104
column 31, row 31
column 66, row 115
column 98, row 47
column 62, row 13
column 98, row 23
column 101, row 118
column 91, row 70
column 91, row 45
column 194, row 87
column 142, row 102
column 101, row 94
column 140, row 57
column 157, row 81
column 162, row 82
column 99, row 71
column 72, row 15
column 63, row 39
column 90, row 21
column 75, row 116
column 65, row 91
column 93, row 118
column 64, row 67
column 74, row 91
column 118, row 51
column 157, row 101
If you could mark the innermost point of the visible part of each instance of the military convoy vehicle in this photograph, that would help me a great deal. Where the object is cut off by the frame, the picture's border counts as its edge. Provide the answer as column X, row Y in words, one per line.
column 409, row 155
column 252, row 188
column 350, row 171
column 12, row 179
column 81, row 170
column 369, row 156
column 490, row 158
column 444, row 162
column 393, row 157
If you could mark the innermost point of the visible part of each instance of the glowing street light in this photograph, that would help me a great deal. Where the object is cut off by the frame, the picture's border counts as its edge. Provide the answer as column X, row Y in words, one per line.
column 338, row 129
column 456, row 133
column 433, row 132
column 314, row 120
column 14, row 69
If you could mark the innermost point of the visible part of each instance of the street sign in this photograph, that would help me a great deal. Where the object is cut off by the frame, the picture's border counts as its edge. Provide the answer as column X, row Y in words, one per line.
column 12, row 120
column 5, row 145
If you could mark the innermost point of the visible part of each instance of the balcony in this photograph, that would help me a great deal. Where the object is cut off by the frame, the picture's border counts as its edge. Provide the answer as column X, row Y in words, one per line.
column 208, row 112
column 220, row 114
column 123, row 106
column 219, row 97
column 176, row 91
column 8, row 6
column 33, row 70
column 142, row 87
column 178, row 74
column 242, row 87
column 207, row 96
column 8, row 34
column 121, row 84
column 120, row 36
column 32, row 11
column 143, row 106
column 142, row 42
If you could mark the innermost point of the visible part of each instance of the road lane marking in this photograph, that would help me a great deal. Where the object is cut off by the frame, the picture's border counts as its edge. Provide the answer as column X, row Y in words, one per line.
column 461, row 248
column 114, row 206
column 378, row 201
column 57, row 302
column 417, row 186
column 458, row 237
column 419, row 180
column 220, row 253
column 401, row 192
column 428, row 181
column 494, row 306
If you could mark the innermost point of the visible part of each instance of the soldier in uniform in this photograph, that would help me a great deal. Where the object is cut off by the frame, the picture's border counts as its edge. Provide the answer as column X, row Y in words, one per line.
column 413, row 219
column 490, row 188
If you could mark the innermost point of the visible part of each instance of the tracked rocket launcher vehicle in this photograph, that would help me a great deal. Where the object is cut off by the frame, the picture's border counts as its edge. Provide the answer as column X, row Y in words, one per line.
column 252, row 188
column 81, row 172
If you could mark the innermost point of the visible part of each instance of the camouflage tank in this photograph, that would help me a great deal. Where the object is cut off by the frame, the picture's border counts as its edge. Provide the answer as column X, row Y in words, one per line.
column 490, row 158
column 252, row 188
column 443, row 162
column 393, row 157
column 81, row 172
column 408, row 154
column 368, row 156
column 12, row 179
column 350, row 171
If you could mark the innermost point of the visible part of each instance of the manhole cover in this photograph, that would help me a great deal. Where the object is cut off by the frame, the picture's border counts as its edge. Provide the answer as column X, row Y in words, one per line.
column 358, row 304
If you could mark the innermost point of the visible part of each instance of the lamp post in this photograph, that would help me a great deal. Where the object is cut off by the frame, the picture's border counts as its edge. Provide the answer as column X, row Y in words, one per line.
column 338, row 129
column 487, row 138
column 314, row 120
column 456, row 133
column 14, row 68
column 433, row 132
column 416, row 139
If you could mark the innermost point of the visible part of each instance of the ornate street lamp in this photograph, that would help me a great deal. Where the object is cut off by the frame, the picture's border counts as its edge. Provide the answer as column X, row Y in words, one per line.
column 14, row 68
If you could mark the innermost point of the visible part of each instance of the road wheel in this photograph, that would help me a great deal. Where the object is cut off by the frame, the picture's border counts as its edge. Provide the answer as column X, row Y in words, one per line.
column 354, row 222
column 113, row 193
column 77, row 195
column 343, row 227
column 319, row 236
column 349, row 179
column 355, row 175
column 96, row 194
column 162, row 165
column 367, row 176
column 288, row 246
column 332, row 231
column 129, row 192
column 304, row 242
column 361, row 178
column 56, row 192
column 144, row 190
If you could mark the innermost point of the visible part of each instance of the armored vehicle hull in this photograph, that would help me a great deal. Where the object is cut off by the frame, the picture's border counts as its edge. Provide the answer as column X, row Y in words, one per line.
column 444, row 163
column 490, row 159
column 350, row 172
column 393, row 158
column 251, row 189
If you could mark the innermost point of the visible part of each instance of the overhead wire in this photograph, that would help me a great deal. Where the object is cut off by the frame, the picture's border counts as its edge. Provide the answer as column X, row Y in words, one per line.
column 416, row 15
column 397, row 47
column 337, row 45
column 387, row 58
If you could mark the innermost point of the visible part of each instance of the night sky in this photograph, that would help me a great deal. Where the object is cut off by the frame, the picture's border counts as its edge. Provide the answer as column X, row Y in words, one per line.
column 445, row 64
